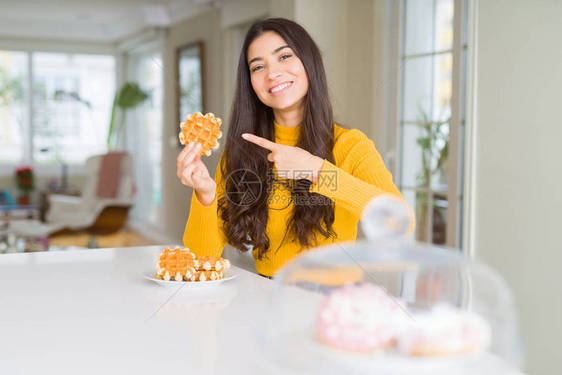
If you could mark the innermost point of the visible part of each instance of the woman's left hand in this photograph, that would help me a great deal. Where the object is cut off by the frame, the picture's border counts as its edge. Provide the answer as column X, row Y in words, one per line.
column 290, row 162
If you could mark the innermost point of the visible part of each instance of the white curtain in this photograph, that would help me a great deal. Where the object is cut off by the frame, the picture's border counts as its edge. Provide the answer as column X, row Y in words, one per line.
column 143, row 135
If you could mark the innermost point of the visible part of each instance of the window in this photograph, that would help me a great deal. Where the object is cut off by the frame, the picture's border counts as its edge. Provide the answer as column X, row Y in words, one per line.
column 66, row 118
column 13, row 109
column 190, row 74
column 72, row 97
column 144, row 135
column 431, row 120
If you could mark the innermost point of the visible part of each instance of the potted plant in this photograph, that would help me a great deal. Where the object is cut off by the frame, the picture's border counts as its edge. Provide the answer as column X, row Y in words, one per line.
column 25, row 184
column 434, row 146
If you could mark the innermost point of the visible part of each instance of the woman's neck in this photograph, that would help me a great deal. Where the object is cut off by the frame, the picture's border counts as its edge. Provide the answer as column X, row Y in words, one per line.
column 290, row 117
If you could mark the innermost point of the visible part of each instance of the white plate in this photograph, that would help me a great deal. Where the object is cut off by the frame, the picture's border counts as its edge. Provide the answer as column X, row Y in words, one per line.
column 229, row 275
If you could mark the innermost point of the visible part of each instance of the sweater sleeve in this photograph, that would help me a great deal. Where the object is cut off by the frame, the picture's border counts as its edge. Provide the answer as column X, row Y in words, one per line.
column 362, row 177
column 204, row 233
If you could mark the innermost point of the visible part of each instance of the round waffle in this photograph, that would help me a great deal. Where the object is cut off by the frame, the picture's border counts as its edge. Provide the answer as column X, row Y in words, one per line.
column 203, row 129
column 177, row 264
column 210, row 263
column 206, row 276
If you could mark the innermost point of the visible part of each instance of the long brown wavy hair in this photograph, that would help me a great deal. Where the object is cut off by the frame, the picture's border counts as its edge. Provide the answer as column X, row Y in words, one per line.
column 249, row 175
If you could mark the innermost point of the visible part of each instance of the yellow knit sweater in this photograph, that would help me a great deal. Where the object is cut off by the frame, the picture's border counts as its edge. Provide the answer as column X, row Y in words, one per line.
column 360, row 175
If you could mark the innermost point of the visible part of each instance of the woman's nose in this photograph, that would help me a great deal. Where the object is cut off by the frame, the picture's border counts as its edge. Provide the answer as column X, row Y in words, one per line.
column 273, row 74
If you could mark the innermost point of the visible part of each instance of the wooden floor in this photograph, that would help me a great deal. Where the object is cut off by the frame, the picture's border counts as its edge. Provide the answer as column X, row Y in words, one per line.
column 124, row 238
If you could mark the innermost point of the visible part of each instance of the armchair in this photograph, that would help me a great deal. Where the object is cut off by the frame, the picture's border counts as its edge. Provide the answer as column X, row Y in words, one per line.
column 105, row 202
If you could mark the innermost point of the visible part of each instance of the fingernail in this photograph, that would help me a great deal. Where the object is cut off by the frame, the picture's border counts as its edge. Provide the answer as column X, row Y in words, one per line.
column 198, row 146
column 244, row 135
column 190, row 145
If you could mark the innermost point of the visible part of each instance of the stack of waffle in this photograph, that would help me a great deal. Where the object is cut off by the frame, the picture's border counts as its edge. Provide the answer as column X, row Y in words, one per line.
column 182, row 265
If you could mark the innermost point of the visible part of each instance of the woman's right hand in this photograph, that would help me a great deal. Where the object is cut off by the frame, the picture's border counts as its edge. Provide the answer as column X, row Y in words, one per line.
column 192, row 172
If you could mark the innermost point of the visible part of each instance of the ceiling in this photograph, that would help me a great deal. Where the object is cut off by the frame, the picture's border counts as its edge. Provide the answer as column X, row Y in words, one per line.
column 92, row 20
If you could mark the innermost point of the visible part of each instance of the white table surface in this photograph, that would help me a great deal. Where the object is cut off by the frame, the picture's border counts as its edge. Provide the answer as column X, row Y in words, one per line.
column 92, row 312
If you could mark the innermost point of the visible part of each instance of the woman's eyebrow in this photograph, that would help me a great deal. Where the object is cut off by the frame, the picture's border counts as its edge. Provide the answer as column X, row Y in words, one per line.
column 273, row 53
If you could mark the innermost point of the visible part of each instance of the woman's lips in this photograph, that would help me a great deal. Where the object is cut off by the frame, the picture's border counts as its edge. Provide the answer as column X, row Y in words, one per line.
column 281, row 88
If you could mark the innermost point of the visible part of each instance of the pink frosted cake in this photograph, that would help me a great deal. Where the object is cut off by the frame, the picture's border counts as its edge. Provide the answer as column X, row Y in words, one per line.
column 444, row 330
column 360, row 318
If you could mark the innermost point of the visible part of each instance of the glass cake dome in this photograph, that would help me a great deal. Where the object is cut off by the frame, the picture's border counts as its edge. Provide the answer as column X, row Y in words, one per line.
column 389, row 305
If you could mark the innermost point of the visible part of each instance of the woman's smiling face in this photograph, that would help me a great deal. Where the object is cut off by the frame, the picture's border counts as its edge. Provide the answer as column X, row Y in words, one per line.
column 277, row 74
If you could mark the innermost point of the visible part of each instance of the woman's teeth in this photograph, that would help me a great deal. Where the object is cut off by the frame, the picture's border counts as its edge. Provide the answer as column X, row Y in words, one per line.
column 280, row 87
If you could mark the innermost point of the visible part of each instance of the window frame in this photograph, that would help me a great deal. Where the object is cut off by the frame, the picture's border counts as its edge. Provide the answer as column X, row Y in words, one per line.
column 458, row 180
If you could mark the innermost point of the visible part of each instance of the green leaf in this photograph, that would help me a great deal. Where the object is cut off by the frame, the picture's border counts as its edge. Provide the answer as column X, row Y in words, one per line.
column 128, row 97
column 131, row 95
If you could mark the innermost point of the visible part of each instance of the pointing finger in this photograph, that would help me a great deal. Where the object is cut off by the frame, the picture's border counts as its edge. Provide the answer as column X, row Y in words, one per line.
column 265, row 143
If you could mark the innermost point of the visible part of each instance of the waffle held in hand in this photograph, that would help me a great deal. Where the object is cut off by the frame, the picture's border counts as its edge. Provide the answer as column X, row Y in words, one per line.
column 203, row 129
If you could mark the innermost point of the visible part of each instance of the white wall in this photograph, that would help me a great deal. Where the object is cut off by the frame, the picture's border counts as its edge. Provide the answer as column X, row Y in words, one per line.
column 345, row 35
column 518, row 175
column 329, row 31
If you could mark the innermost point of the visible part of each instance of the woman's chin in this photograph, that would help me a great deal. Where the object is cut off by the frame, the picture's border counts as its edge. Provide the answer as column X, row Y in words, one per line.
column 284, row 104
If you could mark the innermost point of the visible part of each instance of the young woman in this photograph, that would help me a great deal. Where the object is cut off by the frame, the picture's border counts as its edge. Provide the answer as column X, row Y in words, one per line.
column 289, row 178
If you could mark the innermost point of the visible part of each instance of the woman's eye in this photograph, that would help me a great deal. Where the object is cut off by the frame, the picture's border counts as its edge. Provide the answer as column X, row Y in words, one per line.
column 285, row 57
column 255, row 68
